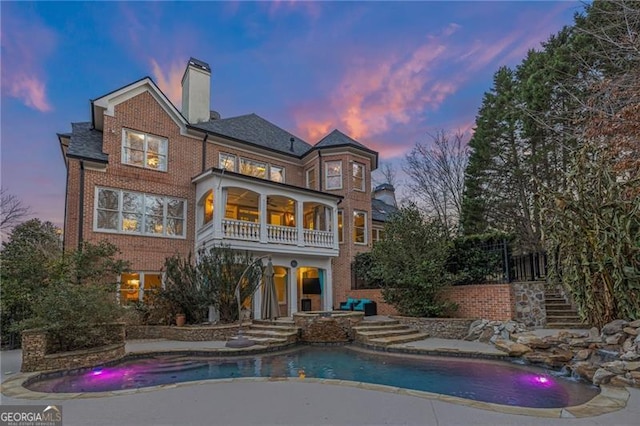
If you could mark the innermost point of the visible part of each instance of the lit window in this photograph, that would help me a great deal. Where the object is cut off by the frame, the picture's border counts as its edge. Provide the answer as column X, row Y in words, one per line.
column 276, row 173
column 377, row 234
column 358, row 176
column 227, row 162
column 253, row 168
column 340, row 227
column 360, row 227
column 138, row 286
column 144, row 150
column 311, row 178
column 207, row 207
column 137, row 213
column 333, row 172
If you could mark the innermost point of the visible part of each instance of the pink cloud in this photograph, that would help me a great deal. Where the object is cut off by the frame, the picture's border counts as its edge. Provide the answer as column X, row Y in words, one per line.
column 26, row 44
column 169, row 79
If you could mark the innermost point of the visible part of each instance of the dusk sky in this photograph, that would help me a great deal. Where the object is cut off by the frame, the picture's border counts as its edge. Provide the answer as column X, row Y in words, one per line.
column 385, row 73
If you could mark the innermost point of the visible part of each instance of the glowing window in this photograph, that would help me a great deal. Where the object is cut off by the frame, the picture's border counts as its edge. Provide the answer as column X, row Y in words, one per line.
column 144, row 150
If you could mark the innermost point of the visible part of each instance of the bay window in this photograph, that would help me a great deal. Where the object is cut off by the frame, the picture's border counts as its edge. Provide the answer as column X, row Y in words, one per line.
column 333, row 173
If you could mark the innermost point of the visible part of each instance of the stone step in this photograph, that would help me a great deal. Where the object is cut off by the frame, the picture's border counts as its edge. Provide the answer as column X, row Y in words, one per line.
column 386, row 341
column 278, row 327
column 367, row 322
column 368, row 335
column 379, row 327
column 556, row 314
column 279, row 322
column 558, row 306
column 287, row 336
column 269, row 341
column 565, row 325
column 555, row 300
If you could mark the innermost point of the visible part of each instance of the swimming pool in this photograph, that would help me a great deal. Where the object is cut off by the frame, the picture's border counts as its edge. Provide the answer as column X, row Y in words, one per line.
column 481, row 380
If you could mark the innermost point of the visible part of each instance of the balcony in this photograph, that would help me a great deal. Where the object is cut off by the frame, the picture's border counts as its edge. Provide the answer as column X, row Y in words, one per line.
column 253, row 214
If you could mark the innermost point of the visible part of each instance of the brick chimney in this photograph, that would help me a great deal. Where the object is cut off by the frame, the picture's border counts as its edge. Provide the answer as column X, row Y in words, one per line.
column 385, row 193
column 196, row 91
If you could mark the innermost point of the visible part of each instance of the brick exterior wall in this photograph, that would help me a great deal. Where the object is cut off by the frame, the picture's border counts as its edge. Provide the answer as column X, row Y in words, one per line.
column 184, row 161
column 488, row 301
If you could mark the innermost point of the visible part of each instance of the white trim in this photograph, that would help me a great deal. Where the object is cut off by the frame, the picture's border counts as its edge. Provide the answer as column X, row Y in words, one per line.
column 307, row 172
column 223, row 144
column 326, row 175
column 363, row 187
column 141, row 274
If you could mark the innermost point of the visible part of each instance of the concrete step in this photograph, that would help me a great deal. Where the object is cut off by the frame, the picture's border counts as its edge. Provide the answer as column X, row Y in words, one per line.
column 368, row 335
column 392, row 340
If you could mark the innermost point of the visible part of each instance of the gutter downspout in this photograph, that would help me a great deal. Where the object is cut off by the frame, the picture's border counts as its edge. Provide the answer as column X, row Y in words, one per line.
column 204, row 152
column 81, row 207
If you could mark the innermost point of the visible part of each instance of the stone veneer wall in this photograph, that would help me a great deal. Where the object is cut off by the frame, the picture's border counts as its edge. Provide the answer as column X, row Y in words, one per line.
column 529, row 303
column 146, row 331
column 336, row 328
column 185, row 334
column 490, row 301
column 445, row 328
column 37, row 347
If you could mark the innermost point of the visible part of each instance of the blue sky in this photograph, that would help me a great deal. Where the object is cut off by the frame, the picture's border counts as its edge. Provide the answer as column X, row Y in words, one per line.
column 386, row 73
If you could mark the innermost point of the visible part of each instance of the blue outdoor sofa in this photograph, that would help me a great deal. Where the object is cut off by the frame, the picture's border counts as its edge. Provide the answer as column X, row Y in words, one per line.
column 367, row 306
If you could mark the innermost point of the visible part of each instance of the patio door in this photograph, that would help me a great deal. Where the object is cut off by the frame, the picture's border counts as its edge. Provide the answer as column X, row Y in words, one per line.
column 281, row 281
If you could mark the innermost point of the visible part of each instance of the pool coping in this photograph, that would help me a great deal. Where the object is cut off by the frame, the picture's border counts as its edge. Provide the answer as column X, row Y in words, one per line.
column 610, row 398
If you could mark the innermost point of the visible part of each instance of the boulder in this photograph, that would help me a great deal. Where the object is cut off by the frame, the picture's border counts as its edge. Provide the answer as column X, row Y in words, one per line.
column 615, row 339
column 594, row 334
column 582, row 355
column 535, row 357
column 621, row 381
column 511, row 348
column 534, row 342
column 628, row 345
column 630, row 356
column 485, row 335
column 614, row 327
column 635, row 324
column 602, row 376
column 635, row 375
column 631, row 331
column 632, row 366
column 616, row 367
column 584, row 369
column 579, row 343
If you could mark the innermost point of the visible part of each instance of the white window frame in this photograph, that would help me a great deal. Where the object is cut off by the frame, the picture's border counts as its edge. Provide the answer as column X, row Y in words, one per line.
column 354, row 178
column 327, row 166
column 142, row 232
column 141, row 274
column 254, row 163
column 273, row 166
column 124, row 148
column 366, row 226
column 310, row 176
column 221, row 162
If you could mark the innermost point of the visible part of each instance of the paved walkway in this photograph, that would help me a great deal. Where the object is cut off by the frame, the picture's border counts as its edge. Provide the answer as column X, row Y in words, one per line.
column 294, row 402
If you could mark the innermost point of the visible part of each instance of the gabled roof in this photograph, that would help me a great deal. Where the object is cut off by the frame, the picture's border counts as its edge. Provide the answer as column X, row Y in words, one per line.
column 381, row 211
column 86, row 143
column 256, row 130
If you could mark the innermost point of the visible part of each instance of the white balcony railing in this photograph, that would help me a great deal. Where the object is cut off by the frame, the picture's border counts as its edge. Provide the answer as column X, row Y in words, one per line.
column 282, row 234
column 318, row 238
column 240, row 230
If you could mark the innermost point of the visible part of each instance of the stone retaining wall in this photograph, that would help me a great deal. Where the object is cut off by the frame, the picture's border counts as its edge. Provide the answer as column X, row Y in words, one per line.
column 444, row 328
column 146, row 331
column 327, row 327
column 37, row 356
column 201, row 333
column 529, row 303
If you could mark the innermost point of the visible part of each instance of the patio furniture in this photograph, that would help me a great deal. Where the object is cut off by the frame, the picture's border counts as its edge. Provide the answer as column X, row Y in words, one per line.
column 369, row 307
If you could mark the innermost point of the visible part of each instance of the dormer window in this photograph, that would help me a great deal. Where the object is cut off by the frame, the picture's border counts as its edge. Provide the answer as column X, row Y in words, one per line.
column 144, row 150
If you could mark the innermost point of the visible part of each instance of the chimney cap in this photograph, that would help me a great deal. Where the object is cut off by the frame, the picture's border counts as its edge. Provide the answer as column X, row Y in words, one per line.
column 199, row 64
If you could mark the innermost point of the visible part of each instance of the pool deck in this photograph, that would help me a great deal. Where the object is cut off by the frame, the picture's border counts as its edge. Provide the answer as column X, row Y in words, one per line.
column 307, row 401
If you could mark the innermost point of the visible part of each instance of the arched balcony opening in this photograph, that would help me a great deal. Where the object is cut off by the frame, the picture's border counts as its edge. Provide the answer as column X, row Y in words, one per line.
column 241, row 214
column 281, row 220
column 317, row 224
column 205, row 209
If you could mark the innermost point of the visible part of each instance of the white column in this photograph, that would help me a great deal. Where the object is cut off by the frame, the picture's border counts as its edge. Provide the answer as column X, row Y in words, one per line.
column 219, row 204
column 300, row 222
column 262, row 208
column 334, row 228
column 293, row 291
column 328, row 286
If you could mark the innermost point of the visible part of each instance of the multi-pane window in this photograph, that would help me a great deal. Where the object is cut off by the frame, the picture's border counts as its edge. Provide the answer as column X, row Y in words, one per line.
column 359, row 227
column 227, row 162
column 377, row 234
column 137, row 213
column 276, row 173
column 358, row 176
column 311, row 178
column 144, row 150
column 207, row 208
column 253, row 168
column 333, row 172
column 340, row 226
column 138, row 286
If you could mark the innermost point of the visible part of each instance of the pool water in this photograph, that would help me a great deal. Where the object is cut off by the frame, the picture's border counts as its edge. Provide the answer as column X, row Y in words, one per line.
column 481, row 380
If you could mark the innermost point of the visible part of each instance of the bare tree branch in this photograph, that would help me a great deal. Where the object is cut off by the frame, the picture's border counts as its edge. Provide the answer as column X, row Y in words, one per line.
column 12, row 210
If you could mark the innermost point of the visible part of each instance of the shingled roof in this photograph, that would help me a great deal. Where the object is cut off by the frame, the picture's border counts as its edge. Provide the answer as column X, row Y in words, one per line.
column 86, row 143
column 381, row 211
column 337, row 138
column 256, row 130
